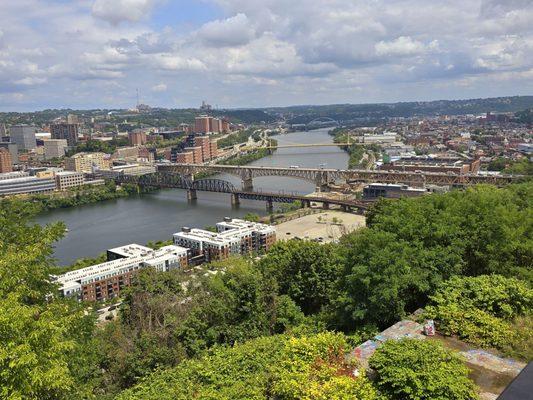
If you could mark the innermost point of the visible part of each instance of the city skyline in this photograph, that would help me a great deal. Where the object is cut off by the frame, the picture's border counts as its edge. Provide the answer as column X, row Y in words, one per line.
column 95, row 54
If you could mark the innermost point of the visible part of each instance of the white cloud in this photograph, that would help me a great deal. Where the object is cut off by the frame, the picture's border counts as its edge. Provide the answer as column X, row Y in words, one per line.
column 159, row 88
column 402, row 46
column 117, row 11
column 235, row 31
column 259, row 52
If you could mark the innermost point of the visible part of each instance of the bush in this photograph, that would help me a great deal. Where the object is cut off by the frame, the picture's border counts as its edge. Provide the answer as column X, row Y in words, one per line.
column 412, row 369
column 273, row 367
column 480, row 309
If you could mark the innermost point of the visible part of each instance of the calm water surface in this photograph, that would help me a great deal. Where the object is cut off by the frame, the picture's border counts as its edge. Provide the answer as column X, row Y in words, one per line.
column 94, row 228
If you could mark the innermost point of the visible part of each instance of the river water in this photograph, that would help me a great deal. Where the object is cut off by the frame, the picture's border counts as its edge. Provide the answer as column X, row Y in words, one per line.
column 156, row 216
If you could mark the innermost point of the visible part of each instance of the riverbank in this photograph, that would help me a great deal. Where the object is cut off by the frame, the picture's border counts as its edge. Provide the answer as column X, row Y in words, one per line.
column 83, row 195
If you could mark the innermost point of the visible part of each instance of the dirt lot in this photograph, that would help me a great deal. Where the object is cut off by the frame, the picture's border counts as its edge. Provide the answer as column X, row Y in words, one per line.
column 329, row 225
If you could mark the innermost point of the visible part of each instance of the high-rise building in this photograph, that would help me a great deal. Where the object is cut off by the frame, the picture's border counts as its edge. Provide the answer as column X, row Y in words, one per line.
column 72, row 119
column 201, row 124
column 215, row 125
column 55, row 148
column 6, row 162
column 184, row 158
column 137, row 138
column 13, row 150
column 224, row 126
column 213, row 149
column 204, row 143
column 85, row 162
column 65, row 131
column 23, row 136
column 197, row 154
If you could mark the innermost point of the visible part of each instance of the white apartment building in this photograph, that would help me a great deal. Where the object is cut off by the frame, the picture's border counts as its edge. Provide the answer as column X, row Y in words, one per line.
column 106, row 280
column 234, row 236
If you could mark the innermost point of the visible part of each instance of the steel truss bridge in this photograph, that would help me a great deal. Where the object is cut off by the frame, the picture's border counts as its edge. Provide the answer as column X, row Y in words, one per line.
column 323, row 177
column 173, row 180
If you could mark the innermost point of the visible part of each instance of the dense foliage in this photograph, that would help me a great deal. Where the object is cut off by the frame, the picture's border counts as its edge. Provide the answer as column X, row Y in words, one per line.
column 95, row 146
column 280, row 367
column 305, row 271
column 84, row 195
column 412, row 245
column 413, row 369
column 41, row 340
column 247, row 328
column 481, row 309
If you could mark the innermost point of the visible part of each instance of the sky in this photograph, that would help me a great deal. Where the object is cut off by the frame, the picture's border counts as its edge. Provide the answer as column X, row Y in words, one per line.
column 256, row 53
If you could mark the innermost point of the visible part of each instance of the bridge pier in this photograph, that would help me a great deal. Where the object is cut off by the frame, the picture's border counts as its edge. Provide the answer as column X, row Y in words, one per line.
column 191, row 194
column 344, row 208
column 235, row 201
column 325, row 206
column 269, row 206
column 247, row 185
column 306, row 203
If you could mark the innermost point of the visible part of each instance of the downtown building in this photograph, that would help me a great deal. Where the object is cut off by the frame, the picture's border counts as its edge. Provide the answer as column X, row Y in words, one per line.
column 66, row 131
column 86, row 162
column 54, row 148
column 26, row 185
column 233, row 237
column 23, row 136
column 107, row 280
column 6, row 161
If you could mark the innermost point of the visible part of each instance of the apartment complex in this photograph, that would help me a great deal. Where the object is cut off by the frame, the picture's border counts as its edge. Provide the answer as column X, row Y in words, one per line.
column 107, row 280
column 197, row 149
column 233, row 236
column 137, row 138
column 207, row 124
column 55, row 148
column 23, row 136
column 66, row 131
column 209, row 147
column 85, row 162
column 6, row 161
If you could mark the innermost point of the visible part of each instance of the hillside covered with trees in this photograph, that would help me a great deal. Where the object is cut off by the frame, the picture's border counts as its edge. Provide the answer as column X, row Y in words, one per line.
column 279, row 327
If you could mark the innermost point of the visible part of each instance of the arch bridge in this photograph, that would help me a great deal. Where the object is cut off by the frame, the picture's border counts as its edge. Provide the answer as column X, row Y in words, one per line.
column 323, row 177
column 172, row 180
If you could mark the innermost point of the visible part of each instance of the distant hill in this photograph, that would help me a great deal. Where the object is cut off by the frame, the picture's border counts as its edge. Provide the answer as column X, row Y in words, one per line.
column 348, row 112
column 364, row 113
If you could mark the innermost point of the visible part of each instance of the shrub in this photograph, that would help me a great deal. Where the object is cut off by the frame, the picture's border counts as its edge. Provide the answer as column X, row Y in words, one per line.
column 412, row 369
column 481, row 309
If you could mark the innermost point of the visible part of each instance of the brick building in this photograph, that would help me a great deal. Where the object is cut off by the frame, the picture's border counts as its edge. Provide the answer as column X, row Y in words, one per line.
column 65, row 131
column 196, row 153
column 107, row 280
column 6, row 161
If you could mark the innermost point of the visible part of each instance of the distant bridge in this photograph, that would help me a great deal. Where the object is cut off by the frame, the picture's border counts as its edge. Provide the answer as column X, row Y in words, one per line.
column 288, row 146
column 323, row 121
column 172, row 180
column 322, row 177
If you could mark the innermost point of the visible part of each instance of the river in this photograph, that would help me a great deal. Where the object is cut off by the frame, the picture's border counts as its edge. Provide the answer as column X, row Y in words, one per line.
column 156, row 216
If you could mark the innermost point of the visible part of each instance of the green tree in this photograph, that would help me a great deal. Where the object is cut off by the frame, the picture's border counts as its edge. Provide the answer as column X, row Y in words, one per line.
column 42, row 338
column 305, row 271
column 413, row 369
